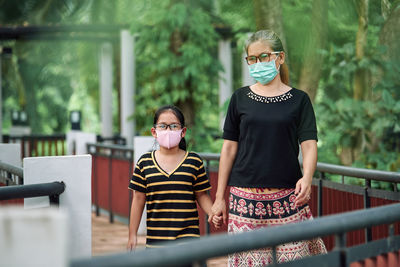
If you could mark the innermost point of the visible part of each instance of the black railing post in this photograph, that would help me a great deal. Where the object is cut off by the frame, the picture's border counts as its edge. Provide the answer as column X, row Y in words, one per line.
column 130, row 191
column 54, row 200
column 208, row 192
column 367, row 205
column 320, row 186
column 89, row 148
column 274, row 255
column 340, row 245
column 111, row 214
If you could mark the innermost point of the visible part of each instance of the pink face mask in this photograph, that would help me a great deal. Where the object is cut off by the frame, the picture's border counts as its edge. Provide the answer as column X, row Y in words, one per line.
column 168, row 138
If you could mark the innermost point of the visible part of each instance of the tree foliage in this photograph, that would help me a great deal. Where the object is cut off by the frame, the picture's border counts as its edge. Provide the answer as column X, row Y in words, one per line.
column 177, row 63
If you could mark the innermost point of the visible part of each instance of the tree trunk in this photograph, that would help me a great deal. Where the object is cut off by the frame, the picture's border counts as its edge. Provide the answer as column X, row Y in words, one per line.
column 390, row 34
column 313, row 59
column 361, row 74
column 268, row 15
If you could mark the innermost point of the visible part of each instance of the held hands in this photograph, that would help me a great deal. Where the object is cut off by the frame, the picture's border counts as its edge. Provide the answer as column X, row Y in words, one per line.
column 303, row 191
column 218, row 213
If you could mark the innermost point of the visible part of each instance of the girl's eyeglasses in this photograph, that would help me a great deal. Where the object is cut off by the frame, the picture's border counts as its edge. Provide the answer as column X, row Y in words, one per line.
column 172, row 126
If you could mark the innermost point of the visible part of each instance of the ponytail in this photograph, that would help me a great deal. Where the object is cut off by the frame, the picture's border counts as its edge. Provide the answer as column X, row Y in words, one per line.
column 182, row 144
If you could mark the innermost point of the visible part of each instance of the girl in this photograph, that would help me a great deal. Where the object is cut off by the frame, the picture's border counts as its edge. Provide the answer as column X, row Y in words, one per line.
column 170, row 181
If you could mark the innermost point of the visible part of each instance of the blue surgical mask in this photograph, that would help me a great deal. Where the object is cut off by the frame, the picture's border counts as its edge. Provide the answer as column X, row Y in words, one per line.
column 263, row 72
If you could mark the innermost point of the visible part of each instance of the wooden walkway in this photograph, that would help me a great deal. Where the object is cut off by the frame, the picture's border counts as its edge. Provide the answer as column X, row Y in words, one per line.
column 110, row 238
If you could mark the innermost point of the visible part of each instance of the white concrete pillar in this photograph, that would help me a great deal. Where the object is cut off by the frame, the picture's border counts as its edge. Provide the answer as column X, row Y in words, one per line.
column 225, row 77
column 77, row 140
column 11, row 154
column 1, row 107
column 246, row 78
column 75, row 201
column 33, row 237
column 106, row 86
column 142, row 144
column 127, row 86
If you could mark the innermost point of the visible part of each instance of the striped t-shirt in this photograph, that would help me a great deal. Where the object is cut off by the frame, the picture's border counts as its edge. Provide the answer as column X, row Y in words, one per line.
column 170, row 198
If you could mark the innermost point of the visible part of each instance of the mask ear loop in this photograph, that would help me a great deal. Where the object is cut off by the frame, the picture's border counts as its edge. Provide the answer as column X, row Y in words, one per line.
column 279, row 67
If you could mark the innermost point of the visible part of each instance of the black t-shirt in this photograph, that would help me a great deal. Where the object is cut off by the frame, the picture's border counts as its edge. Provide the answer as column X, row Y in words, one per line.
column 268, row 131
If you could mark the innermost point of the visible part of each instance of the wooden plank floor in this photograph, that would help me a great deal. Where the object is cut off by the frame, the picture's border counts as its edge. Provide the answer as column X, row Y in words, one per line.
column 110, row 238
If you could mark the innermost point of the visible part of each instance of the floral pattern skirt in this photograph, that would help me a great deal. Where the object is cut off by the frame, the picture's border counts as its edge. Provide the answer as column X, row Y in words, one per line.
column 253, row 208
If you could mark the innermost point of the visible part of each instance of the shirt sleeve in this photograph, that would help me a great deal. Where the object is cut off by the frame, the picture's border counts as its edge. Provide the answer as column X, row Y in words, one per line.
column 307, row 129
column 201, row 183
column 138, row 181
column 232, row 121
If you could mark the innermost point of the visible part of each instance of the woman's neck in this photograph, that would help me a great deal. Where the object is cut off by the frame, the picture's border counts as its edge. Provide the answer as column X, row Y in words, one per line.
column 274, row 88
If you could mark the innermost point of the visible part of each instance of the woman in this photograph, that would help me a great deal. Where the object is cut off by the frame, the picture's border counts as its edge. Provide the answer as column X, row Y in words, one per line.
column 264, row 126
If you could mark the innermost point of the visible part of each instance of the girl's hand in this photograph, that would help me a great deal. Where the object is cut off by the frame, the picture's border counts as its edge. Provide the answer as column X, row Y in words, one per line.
column 303, row 191
column 132, row 242
column 216, row 220
column 218, row 210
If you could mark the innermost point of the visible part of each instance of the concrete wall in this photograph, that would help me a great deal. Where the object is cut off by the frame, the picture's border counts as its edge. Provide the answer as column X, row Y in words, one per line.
column 75, row 172
column 33, row 238
column 11, row 154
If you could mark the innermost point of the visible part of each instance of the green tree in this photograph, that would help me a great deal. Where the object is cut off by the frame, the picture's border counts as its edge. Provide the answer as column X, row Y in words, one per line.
column 178, row 63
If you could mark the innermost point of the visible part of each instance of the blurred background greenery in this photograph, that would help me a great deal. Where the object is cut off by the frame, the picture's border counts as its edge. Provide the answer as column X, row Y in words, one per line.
column 344, row 54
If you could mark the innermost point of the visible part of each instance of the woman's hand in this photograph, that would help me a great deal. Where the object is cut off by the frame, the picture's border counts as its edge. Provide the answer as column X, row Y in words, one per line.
column 303, row 191
column 218, row 212
column 132, row 242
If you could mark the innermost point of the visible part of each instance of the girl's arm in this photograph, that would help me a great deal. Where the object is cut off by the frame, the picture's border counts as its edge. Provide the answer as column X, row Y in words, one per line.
column 204, row 201
column 228, row 155
column 303, row 186
column 138, row 201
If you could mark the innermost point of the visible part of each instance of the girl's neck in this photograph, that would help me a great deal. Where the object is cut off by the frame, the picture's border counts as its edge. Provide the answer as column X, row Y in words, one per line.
column 173, row 151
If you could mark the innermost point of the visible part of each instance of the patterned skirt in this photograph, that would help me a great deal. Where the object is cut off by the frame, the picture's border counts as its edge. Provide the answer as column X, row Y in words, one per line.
column 253, row 208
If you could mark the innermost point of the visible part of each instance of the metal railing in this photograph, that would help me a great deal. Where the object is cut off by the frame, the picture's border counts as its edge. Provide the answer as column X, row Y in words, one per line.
column 10, row 174
column 193, row 252
column 366, row 191
column 322, row 168
column 39, row 145
column 109, row 152
column 52, row 190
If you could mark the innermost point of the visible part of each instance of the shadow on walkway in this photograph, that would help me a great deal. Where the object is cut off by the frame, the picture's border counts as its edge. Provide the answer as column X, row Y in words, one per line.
column 112, row 238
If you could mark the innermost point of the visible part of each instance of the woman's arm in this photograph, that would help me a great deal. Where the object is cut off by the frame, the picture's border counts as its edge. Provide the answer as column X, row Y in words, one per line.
column 138, row 202
column 228, row 155
column 303, row 186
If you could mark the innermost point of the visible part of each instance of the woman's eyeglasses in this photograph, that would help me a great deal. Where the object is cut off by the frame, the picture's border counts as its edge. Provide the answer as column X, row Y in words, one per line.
column 264, row 57
column 172, row 126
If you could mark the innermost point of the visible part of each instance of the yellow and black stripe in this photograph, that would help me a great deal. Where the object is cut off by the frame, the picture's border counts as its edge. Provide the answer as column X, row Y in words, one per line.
column 170, row 198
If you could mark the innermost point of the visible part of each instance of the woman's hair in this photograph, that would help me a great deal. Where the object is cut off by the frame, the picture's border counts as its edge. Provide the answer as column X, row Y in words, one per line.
column 179, row 115
column 272, row 39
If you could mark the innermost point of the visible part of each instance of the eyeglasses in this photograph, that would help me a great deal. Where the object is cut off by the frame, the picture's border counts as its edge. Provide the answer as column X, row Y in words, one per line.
column 264, row 57
column 172, row 126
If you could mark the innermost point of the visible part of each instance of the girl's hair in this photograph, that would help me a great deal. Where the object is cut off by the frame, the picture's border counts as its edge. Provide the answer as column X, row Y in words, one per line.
column 178, row 113
column 272, row 39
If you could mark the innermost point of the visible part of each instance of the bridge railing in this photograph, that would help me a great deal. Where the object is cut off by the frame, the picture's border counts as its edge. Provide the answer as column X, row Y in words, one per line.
column 112, row 168
column 39, row 145
column 52, row 190
column 197, row 251
column 10, row 174
column 329, row 197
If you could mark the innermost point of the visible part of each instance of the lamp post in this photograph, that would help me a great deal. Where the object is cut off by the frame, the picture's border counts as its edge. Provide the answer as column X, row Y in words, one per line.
column 3, row 51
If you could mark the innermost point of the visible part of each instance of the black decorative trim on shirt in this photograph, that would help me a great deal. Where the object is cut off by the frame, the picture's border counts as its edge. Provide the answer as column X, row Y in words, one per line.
column 273, row 99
